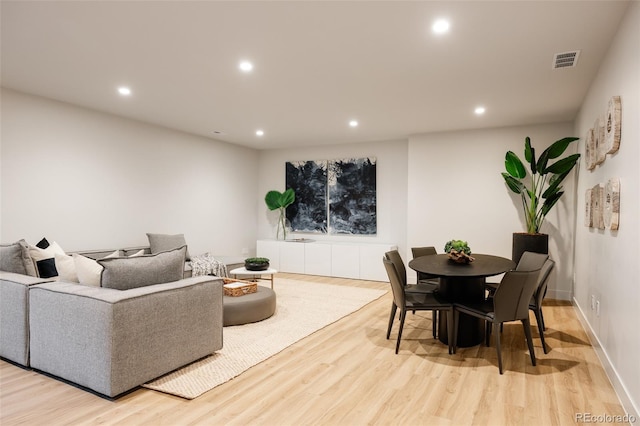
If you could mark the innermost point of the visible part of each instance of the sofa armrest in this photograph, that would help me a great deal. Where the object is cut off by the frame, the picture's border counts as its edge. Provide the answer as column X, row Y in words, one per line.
column 14, row 315
column 112, row 341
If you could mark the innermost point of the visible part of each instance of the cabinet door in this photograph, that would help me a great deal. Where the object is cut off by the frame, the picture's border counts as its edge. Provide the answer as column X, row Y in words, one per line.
column 317, row 259
column 292, row 257
column 345, row 261
column 271, row 250
column 371, row 265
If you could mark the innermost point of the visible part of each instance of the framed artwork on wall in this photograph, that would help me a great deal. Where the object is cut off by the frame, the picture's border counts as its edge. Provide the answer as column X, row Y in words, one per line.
column 352, row 196
column 612, row 204
column 588, row 214
column 612, row 125
column 308, row 179
column 604, row 137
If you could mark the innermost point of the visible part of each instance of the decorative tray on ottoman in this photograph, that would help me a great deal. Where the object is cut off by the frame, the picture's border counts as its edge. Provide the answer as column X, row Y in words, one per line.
column 235, row 288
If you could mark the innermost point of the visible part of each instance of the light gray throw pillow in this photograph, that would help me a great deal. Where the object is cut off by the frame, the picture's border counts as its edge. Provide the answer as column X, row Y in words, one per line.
column 164, row 242
column 124, row 273
column 15, row 258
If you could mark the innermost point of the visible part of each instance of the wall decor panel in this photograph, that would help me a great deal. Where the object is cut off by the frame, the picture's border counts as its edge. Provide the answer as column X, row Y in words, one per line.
column 352, row 196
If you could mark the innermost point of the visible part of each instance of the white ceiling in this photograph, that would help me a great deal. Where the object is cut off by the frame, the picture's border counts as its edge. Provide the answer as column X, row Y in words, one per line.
column 317, row 64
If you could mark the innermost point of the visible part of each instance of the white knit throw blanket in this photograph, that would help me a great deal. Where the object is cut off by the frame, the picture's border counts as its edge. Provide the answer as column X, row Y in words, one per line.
column 206, row 264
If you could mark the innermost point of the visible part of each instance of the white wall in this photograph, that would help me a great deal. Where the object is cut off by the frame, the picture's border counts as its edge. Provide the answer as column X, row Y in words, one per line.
column 455, row 191
column 608, row 262
column 89, row 180
column 391, row 183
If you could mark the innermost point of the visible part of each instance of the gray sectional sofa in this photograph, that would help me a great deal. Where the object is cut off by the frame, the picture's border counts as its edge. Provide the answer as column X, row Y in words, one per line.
column 104, row 339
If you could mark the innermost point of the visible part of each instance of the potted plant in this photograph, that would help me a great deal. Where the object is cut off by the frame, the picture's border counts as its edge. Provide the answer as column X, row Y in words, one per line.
column 458, row 251
column 539, row 190
column 256, row 264
column 277, row 200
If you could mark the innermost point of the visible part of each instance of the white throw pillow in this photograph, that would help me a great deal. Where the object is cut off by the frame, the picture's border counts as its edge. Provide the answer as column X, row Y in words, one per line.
column 66, row 268
column 44, row 259
column 89, row 271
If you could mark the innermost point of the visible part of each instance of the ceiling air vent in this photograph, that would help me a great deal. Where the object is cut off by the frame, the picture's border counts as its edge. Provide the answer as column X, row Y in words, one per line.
column 565, row 59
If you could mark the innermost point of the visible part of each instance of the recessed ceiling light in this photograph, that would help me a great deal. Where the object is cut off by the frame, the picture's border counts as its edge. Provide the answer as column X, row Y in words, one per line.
column 353, row 123
column 440, row 26
column 260, row 132
column 479, row 110
column 124, row 91
column 245, row 66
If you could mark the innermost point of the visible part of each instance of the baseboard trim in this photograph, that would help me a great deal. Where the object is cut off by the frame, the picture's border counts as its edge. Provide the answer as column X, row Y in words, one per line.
column 618, row 386
column 559, row 295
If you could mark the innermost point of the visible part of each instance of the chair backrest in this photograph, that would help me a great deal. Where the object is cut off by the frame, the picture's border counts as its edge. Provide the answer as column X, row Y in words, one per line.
column 423, row 251
column 511, row 300
column 397, row 287
column 396, row 259
column 530, row 261
column 543, row 281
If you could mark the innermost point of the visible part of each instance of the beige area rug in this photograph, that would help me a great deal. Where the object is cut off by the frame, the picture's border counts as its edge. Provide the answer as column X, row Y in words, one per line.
column 302, row 308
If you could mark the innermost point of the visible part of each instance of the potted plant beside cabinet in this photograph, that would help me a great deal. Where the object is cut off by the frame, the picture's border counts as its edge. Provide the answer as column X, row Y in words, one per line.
column 276, row 200
column 539, row 190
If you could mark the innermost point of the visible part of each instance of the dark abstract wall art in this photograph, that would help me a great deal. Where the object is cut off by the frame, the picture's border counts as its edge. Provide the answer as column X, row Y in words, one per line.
column 308, row 179
column 352, row 196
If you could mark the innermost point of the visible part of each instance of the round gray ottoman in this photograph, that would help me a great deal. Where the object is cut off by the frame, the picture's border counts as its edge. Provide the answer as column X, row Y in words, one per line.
column 251, row 307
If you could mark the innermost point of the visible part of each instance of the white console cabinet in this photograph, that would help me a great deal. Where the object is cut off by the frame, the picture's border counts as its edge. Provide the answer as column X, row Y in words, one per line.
column 333, row 259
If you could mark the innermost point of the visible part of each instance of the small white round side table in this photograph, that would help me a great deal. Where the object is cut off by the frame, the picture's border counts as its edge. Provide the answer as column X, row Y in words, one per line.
column 257, row 275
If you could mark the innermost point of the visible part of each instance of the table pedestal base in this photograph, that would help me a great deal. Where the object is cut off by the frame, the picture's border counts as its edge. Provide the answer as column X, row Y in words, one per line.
column 460, row 289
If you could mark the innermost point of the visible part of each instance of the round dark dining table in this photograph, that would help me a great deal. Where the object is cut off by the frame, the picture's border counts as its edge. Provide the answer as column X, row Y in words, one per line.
column 462, row 283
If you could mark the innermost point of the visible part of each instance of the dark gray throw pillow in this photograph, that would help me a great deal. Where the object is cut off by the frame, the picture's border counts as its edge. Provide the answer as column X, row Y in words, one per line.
column 164, row 242
column 124, row 273
column 15, row 258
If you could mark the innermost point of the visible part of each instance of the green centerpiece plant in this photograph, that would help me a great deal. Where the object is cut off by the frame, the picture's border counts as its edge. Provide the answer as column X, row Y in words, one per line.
column 277, row 200
column 256, row 264
column 458, row 251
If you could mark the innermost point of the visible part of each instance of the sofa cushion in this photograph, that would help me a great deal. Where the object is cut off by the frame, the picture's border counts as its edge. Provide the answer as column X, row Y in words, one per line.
column 44, row 259
column 89, row 271
column 124, row 273
column 15, row 258
column 166, row 242
column 66, row 268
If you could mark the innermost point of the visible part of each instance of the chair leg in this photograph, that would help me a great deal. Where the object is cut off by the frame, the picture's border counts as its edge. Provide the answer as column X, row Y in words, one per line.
column 454, row 335
column 487, row 333
column 451, row 325
column 527, row 332
column 391, row 318
column 403, row 314
column 434, row 322
column 540, row 322
column 498, row 348
column 544, row 326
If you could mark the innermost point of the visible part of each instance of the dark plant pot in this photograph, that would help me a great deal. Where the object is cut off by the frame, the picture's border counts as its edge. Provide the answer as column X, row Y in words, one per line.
column 536, row 243
column 249, row 266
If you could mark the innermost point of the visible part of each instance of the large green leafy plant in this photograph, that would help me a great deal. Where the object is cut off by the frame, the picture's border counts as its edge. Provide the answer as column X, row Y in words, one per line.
column 277, row 200
column 543, row 189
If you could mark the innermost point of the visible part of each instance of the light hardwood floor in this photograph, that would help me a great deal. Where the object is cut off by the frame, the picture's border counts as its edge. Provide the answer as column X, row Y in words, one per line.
column 348, row 374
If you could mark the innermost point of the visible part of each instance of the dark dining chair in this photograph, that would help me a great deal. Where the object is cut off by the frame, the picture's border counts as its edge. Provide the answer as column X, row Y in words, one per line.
column 396, row 259
column 536, row 301
column 510, row 302
column 528, row 262
column 415, row 302
column 422, row 278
